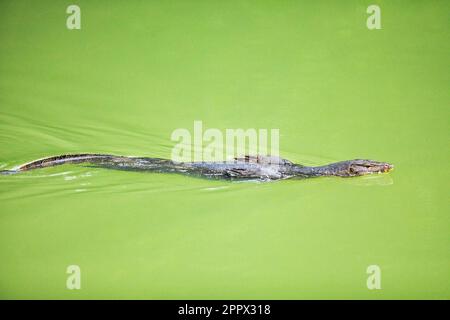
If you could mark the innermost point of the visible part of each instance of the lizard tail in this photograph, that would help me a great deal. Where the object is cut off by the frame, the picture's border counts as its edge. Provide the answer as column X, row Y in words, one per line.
column 61, row 159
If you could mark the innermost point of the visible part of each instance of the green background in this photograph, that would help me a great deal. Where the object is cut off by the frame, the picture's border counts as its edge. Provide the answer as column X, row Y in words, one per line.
column 137, row 70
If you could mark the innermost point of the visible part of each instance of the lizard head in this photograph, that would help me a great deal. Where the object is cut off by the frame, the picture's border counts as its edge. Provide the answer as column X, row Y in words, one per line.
column 361, row 167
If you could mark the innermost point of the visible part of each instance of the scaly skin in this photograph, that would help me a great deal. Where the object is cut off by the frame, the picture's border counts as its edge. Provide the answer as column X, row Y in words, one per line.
column 248, row 168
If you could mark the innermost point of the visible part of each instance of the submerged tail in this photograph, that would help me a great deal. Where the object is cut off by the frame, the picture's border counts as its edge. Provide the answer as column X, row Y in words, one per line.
column 8, row 171
column 62, row 159
column 100, row 160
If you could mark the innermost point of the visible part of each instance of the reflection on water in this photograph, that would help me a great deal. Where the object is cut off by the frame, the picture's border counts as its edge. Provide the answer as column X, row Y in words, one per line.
column 385, row 179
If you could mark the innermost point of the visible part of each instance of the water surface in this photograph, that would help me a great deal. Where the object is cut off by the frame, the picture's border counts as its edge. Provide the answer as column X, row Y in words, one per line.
column 138, row 70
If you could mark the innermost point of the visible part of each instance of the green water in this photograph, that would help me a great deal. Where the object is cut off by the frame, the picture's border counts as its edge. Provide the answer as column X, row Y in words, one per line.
column 137, row 70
